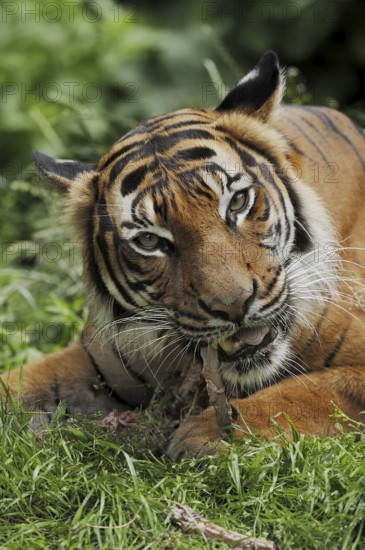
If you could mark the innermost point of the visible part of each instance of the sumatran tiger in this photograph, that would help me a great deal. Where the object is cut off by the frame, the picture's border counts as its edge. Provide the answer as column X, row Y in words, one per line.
column 241, row 228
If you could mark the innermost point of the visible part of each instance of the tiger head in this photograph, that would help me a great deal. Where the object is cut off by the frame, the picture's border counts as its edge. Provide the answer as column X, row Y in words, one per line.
column 194, row 225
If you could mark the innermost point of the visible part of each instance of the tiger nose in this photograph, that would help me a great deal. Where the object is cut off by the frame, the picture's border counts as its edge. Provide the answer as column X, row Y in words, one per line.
column 234, row 310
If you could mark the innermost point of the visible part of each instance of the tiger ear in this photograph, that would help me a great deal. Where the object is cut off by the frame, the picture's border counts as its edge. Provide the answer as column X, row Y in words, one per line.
column 61, row 172
column 259, row 92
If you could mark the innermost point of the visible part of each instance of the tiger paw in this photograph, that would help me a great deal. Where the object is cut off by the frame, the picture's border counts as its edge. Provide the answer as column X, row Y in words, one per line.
column 197, row 436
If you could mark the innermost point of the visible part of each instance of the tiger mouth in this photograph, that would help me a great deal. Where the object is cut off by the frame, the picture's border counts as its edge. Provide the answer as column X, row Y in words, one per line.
column 246, row 342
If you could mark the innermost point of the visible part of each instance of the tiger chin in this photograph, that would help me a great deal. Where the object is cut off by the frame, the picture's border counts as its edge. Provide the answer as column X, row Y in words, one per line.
column 240, row 228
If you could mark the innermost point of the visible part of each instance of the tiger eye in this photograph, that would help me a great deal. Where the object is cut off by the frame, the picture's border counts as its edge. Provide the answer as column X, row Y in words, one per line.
column 238, row 201
column 148, row 241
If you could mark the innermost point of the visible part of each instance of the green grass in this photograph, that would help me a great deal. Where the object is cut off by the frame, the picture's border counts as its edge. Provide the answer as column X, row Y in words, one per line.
column 72, row 487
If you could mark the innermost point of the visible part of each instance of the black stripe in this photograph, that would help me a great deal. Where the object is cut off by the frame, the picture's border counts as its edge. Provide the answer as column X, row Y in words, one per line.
column 161, row 206
column 141, row 195
column 331, row 356
column 141, row 379
column 214, row 167
column 265, row 216
column 164, row 142
column 302, row 241
column 162, row 285
column 119, row 312
column 183, row 124
column 190, row 188
column 331, row 125
column 244, row 155
column 203, row 188
column 315, row 128
column 195, row 153
column 90, row 259
column 134, row 156
column 198, row 192
column 102, row 379
column 196, row 331
column 157, row 296
column 277, row 229
column 121, row 151
column 134, row 266
column 103, row 246
column 252, row 297
column 267, row 246
column 133, row 180
column 161, row 118
column 257, row 149
column 190, row 180
column 164, row 189
column 192, row 134
column 131, row 225
column 306, row 136
column 275, row 299
column 185, row 318
column 272, row 283
column 253, row 210
column 187, row 314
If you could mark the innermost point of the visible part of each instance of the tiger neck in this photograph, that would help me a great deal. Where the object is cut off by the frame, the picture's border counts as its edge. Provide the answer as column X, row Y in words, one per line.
column 133, row 362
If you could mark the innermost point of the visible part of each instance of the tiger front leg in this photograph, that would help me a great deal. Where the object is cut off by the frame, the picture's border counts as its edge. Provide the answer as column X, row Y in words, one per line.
column 307, row 403
column 67, row 375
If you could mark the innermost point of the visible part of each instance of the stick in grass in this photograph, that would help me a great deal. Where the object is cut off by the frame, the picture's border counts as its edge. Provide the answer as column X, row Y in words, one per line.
column 192, row 522
column 215, row 387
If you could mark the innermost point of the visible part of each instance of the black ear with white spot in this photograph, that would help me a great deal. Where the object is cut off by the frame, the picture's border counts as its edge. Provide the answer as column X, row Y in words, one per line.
column 259, row 91
column 62, row 172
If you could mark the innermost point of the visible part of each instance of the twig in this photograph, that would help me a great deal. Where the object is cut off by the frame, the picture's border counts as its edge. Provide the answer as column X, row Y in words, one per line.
column 192, row 522
column 215, row 387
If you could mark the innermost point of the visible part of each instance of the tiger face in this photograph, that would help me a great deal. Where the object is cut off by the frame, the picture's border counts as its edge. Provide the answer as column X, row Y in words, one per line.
column 194, row 226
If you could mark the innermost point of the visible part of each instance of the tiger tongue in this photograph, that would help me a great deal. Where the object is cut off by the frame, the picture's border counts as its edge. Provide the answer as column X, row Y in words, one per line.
column 244, row 336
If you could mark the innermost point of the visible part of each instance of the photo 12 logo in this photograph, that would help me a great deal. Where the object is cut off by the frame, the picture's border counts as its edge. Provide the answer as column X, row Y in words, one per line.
column 69, row 11
column 38, row 333
column 271, row 11
column 50, row 252
column 68, row 92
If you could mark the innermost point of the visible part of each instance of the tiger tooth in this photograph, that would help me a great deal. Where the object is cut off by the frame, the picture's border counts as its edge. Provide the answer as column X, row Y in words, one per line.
column 236, row 345
column 227, row 346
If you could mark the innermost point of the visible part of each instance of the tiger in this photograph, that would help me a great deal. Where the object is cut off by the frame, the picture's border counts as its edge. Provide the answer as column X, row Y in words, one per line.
column 239, row 228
